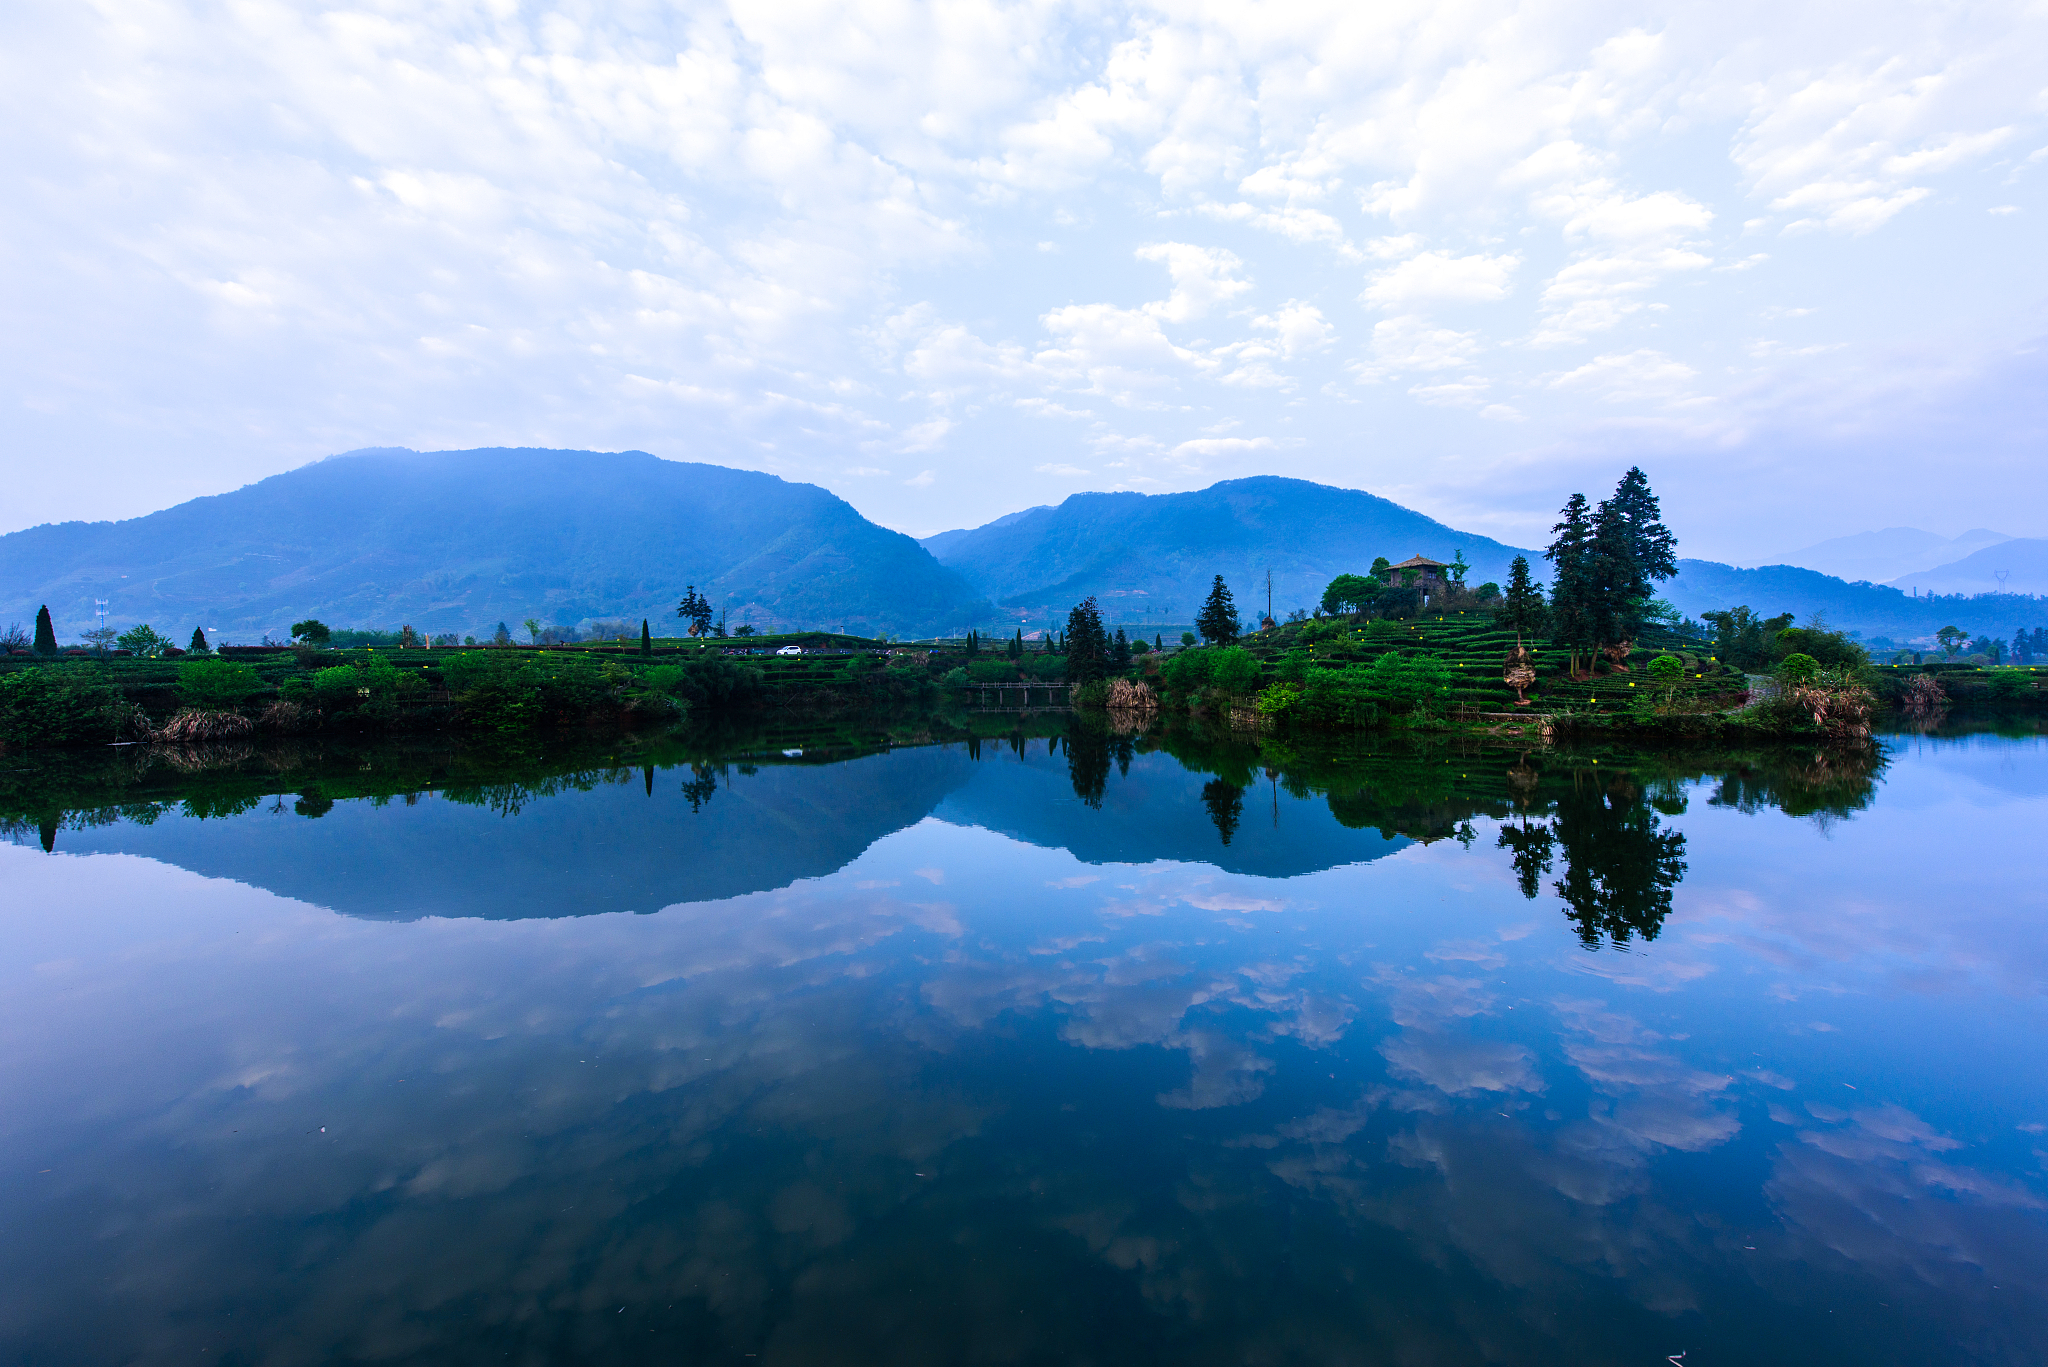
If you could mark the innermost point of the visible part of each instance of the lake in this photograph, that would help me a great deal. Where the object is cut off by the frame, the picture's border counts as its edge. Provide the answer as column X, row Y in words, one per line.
column 1060, row 1046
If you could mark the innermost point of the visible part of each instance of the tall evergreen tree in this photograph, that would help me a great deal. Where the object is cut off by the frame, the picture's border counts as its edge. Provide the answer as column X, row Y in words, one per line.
column 198, row 646
column 1570, row 554
column 1522, row 608
column 1087, row 643
column 1017, row 645
column 1650, row 543
column 646, row 638
column 46, row 632
column 1217, row 621
column 1120, row 650
column 1632, row 548
column 973, row 645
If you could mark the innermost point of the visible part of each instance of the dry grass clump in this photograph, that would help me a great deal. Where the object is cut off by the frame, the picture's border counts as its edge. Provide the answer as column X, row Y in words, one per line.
column 1133, row 695
column 288, row 717
column 1924, row 697
column 191, row 726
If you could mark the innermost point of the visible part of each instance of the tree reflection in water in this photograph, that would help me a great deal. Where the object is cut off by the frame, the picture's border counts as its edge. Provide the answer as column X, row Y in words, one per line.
column 1620, row 866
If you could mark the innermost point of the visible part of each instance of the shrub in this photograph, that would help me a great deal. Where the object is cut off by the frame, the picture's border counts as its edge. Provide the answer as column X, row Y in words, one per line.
column 58, row 705
column 1279, row 699
column 1798, row 669
column 216, row 685
column 2011, row 683
column 1235, row 670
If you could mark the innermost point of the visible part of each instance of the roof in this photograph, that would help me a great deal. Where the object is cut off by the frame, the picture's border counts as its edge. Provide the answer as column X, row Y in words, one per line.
column 1420, row 562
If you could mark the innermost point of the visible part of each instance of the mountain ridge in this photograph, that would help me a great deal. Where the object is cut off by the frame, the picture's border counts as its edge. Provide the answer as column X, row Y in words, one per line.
column 459, row 540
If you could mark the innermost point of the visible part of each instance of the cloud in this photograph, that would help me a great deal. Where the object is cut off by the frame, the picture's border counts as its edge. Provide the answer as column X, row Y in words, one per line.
column 1439, row 277
column 809, row 242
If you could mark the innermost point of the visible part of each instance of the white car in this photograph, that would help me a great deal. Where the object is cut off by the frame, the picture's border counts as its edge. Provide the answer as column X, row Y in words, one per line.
column 790, row 650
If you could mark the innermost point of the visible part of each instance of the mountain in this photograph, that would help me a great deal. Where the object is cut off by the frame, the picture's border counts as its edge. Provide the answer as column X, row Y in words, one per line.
column 1884, row 556
column 2023, row 560
column 1150, row 557
column 461, row 540
column 1872, row 609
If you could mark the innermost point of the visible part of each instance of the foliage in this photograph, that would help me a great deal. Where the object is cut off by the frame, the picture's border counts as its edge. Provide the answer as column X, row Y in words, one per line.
column 1218, row 621
column 46, row 632
column 1798, row 669
column 1742, row 639
column 1234, row 670
column 1486, row 592
column 647, row 637
column 2011, row 683
column 312, row 631
column 1522, row 609
column 1951, row 639
column 198, row 645
column 1278, row 699
column 216, row 685
column 101, row 639
column 58, row 705
column 1088, row 646
column 143, row 640
column 1829, row 649
column 1349, row 593
column 1606, row 559
column 1665, row 672
column 695, row 609
column 1140, row 646
column 1187, row 638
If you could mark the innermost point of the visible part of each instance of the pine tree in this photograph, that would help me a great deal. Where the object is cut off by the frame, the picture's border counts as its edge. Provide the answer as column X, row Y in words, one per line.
column 973, row 645
column 1120, row 652
column 198, row 646
column 46, row 632
column 1217, row 621
column 1017, row 645
column 1087, row 643
column 646, row 638
column 1522, row 608
column 1570, row 552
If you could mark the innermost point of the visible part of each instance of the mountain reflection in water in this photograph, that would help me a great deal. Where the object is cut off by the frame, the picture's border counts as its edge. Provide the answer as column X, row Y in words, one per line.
column 1065, row 1045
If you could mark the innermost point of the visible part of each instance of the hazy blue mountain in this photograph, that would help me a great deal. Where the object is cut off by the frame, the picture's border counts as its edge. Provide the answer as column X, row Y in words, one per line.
column 1883, row 556
column 1873, row 609
column 1153, row 555
column 2023, row 559
column 459, row 540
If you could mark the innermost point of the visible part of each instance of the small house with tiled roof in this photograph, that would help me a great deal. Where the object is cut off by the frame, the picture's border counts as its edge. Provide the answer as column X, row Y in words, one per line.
column 1428, row 574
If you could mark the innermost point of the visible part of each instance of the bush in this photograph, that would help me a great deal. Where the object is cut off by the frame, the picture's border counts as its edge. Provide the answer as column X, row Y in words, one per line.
column 1235, row 670
column 216, row 685
column 1798, row 669
column 2011, row 683
column 1277, row 700
column 58, row 705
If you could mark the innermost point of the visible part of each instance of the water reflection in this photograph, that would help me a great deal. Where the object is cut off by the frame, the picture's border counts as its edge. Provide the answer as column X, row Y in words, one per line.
column 1023, row 1059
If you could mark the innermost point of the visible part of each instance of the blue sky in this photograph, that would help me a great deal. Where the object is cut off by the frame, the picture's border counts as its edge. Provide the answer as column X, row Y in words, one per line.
column 952, row 260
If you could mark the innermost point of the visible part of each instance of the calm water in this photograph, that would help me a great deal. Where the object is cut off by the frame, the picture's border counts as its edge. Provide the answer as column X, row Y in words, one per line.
column 1056, row 1051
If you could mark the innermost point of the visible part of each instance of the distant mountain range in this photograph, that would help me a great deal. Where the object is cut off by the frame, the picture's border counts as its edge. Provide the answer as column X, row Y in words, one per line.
column 461, row 540
column 1884, row 557
column 1151, row 557
column 2016, row 565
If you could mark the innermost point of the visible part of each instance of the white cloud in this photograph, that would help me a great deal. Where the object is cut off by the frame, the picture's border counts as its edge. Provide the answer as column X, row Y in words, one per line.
column 1439, row 277
column 1629, row 375
column 811, row 241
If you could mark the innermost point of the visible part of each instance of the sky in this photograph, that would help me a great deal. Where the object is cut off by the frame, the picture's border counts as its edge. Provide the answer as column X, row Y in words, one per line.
column 951, row 260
